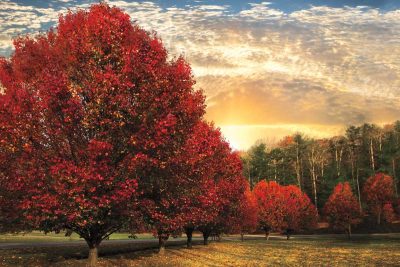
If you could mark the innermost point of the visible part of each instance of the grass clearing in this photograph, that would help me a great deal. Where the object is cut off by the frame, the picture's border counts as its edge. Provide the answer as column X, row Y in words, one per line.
column 299, row 251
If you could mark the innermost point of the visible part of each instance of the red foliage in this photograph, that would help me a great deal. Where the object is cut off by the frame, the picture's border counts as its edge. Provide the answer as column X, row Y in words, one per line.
column 202, row 159
column 286, row 141
column 230, row 186
column 388, row 213
column 284, row 208
column 378, row 191
column 186, row 189
column 248, row 212
column 92, row 112
column 396, row 205
column 342, row 208
column 301, row 214
column 271, row 206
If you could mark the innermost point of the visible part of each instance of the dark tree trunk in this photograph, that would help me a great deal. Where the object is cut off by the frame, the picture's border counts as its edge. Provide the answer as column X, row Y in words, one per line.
column 288, row 233
column 205, row 238
column 189, row 234
column 162, row 240
column 242, row 236
column 218, row 237
column 378, row 220
column 349, row 231
column 267, row 235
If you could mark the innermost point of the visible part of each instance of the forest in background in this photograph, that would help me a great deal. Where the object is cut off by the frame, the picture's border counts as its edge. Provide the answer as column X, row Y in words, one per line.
column 317, row 165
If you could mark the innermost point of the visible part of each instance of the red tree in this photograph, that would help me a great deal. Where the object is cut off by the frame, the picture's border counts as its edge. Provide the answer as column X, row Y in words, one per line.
column 342, row 209
column 378, row 191
column 92, row 111
column 300, row 213
column 271, row 206
column 230, row 186
column 247, row 217
column 190, row 198
column 388, row 213
column 284, row 208
column 201, row 159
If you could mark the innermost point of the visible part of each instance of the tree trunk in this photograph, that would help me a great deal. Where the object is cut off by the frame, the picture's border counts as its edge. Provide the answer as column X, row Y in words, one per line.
column 394, row 176
column 352, row 168
column 162, row 240
column 189, row 234
column 205, row 238
column 242, row 236
column 93, row 256
column 340, row 162
column 337, row 162
column 313, row 177
column 372, row 156
column 267, row 235
column 248, row 170
column 315, row 190
column 378, row 220
column 93, row 252
column 298, row 166
column 349, row 231
column 358, row 190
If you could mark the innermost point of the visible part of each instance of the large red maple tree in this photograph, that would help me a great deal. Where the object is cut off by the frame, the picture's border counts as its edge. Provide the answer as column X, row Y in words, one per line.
column 91, row 113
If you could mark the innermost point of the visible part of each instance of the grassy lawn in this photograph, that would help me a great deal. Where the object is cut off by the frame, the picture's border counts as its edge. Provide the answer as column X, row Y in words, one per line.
column 37, row 236
column 314, row 251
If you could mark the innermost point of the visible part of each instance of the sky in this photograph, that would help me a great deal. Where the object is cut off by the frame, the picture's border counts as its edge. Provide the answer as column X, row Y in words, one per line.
column 268, row 69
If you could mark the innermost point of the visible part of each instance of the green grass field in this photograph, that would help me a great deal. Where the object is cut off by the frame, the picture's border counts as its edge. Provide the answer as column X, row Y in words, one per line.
column 299, row 251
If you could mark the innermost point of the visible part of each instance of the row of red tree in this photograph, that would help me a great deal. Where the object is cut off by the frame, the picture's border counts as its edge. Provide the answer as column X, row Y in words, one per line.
column 343, row 210
column 272, row 207
column 101, row 130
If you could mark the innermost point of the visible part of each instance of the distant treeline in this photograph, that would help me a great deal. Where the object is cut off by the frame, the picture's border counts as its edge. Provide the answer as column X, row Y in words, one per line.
column 317, row 165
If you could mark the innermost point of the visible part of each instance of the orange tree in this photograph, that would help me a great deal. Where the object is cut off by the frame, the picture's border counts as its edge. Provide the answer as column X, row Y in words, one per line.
column 341, row 209
column 92, row 112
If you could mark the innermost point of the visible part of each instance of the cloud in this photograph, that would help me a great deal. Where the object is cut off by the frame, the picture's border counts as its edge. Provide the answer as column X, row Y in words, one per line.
column 276, row 100
column 262, row 67
column 16, row 19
